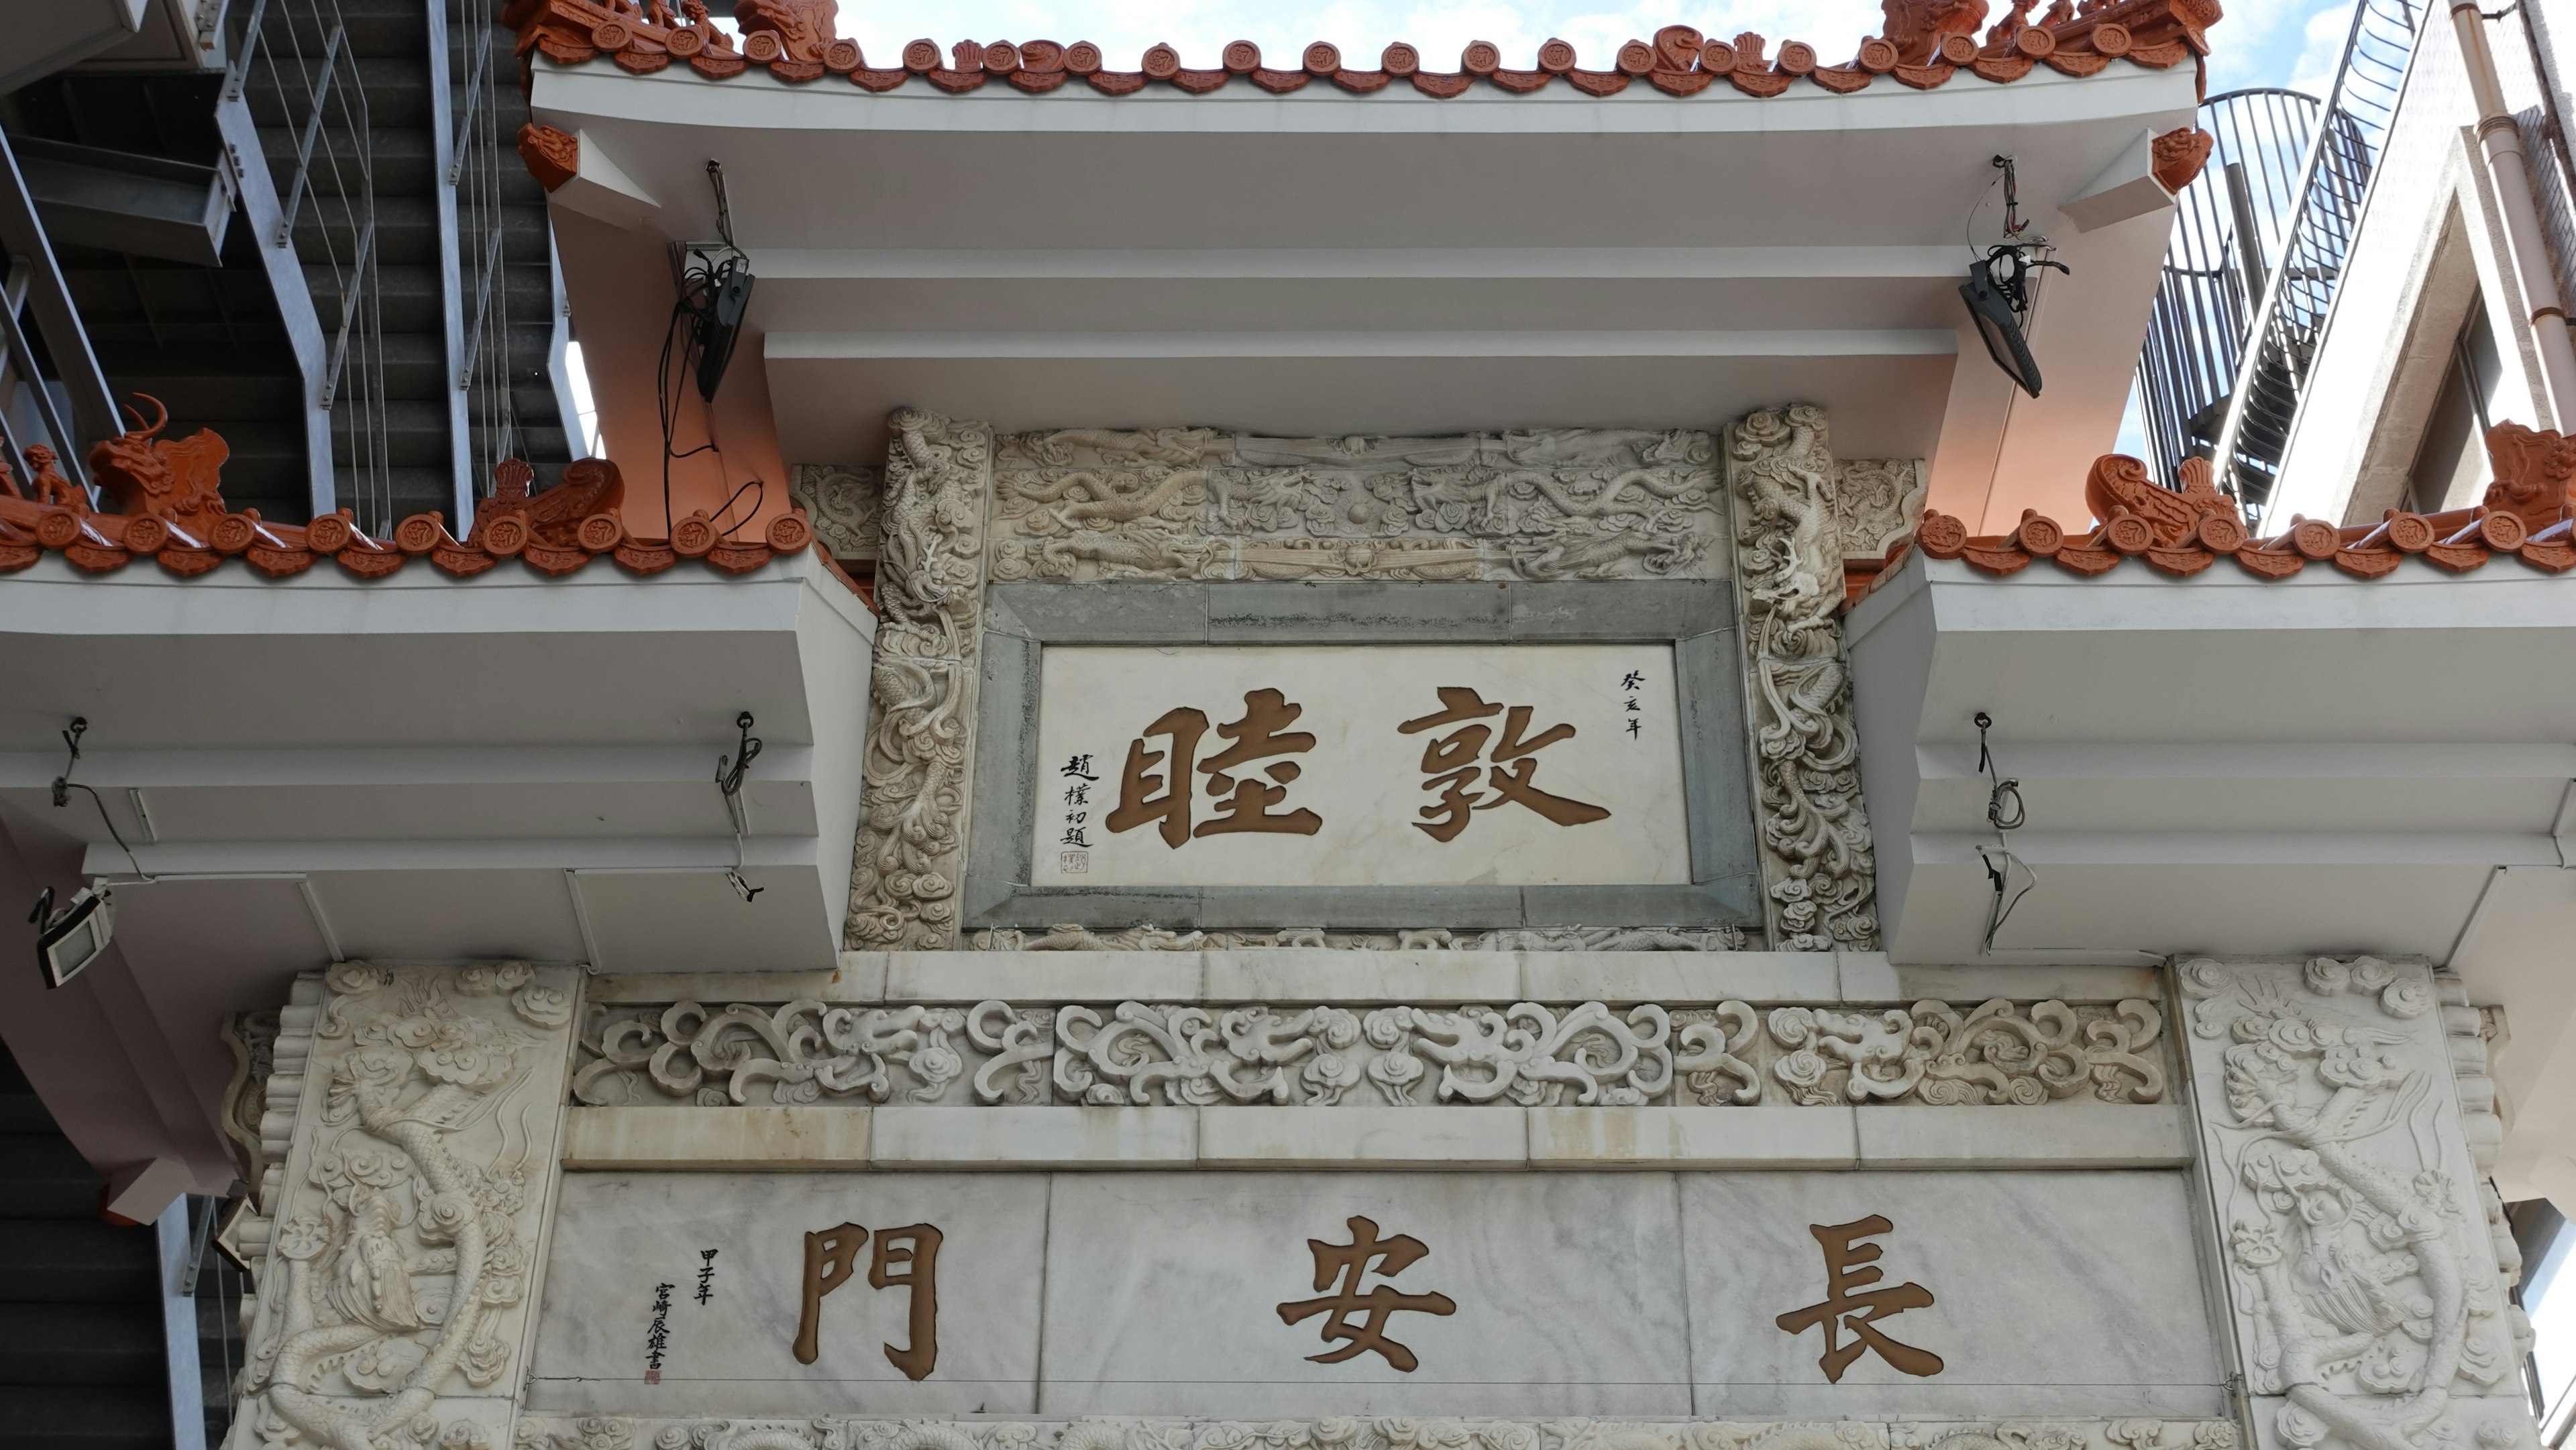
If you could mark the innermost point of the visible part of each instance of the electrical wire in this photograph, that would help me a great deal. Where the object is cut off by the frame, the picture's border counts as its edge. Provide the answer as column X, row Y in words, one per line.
column 700, row 283
column 2004, row 812
column 64, row 785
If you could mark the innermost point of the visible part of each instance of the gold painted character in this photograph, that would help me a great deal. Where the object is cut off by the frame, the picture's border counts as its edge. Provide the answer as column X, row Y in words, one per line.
column 913, row 1250
column 1449, row 765
column 1851, row 1305
column 1262, row 732
column 1138, row 782
column 1350, row 1262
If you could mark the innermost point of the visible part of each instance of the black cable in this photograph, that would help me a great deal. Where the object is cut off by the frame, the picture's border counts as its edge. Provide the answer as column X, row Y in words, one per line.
column 64, row 785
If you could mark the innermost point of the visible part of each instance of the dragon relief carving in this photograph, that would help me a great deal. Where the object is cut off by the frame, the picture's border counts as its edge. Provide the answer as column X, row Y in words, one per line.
column 844, row 503
column 601, row 1432
column 1192, row 503
column 1933, row 1053
column 1526, row 1054
column 403, row 1244
column 2368, row 1276
column 1818, row 872
column 1876, row 502
column 921, row 732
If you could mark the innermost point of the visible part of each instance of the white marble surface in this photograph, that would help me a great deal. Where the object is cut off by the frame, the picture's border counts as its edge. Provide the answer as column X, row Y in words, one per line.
column 1163, row 1293
column 1362, row 778
column 617, row 1235
column 2053, row 1293
column 1637, row 1293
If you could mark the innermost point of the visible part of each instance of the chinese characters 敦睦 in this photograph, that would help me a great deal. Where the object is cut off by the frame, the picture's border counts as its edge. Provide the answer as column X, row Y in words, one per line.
column 1163, row 797
column 1450, row 764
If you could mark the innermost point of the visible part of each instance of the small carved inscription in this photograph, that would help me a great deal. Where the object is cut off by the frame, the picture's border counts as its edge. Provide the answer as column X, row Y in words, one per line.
column 657, row 1339
column 1350, row 1263
column 1851, row 1305
column 905, row 1258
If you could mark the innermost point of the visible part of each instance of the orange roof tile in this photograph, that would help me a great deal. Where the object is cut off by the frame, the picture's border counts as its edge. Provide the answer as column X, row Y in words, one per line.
column 174, row 511
column 1923, row 44
column 2528, row 512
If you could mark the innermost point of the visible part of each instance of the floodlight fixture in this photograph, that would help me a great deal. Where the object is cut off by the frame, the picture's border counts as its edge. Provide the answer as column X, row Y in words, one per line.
column 69, row 940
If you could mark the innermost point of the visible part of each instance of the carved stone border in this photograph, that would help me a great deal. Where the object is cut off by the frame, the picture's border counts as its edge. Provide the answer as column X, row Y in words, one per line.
column 1818, row 874
column 1366, row 1432
column 930, row 592
column 1725, row 1054
column 1689, row 615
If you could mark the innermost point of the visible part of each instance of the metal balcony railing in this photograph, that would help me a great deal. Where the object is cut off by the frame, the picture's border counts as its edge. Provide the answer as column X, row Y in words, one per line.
column 2228, row 228
column 2272, row 363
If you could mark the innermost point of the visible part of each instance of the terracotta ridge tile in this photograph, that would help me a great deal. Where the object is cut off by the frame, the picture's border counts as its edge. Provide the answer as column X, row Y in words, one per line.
column 174, row 512
column 2528, row 512
column 1924, row 43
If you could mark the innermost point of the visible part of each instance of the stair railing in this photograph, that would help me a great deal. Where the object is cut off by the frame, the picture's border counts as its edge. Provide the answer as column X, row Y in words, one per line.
column 2271, row 375
column 477, row 172
column 299, row 51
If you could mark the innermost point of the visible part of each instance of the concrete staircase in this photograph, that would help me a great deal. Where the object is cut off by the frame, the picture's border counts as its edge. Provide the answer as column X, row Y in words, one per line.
column 82, row 1363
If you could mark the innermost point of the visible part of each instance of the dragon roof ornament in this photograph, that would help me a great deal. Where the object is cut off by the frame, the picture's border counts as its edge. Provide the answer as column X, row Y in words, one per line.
column 2528, row 512
column 170, row 493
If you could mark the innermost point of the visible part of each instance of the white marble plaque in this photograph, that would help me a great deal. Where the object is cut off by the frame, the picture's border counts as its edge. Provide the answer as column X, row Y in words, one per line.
column 1339, row 765
column 1622, row 1294
column 2051, row 1294
column 620, row 1236
column 1565, row 1295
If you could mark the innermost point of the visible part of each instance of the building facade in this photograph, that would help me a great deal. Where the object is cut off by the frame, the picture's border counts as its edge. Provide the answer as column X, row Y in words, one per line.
column 1332, row 755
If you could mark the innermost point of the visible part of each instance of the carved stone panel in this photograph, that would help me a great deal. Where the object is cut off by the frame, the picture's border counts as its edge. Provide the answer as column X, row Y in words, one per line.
column 920, row 751
column 392, row 1301
column 1192, row 503
column 2345, row 1106
column 1819, row 876
column 844, row 501
column 1876, row 502
column 1732, row 1054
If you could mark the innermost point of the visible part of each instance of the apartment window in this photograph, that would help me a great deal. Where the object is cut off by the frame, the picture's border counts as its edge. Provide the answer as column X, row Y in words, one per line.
column 2451, row 464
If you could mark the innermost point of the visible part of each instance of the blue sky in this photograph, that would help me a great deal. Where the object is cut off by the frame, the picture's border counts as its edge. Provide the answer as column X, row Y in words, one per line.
column 2261, row 42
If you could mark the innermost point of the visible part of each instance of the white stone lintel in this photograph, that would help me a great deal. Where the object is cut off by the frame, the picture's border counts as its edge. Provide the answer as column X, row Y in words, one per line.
column 2066, row 1135
column 2061, row 1136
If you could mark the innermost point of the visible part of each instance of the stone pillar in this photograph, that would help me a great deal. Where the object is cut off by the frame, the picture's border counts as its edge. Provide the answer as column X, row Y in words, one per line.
column 921, row 734
column 1817, row 871
column 417, row 1112
column 2347, row 1124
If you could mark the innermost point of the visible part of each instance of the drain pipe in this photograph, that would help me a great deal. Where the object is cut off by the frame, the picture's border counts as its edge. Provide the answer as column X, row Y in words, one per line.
column 2502, row 143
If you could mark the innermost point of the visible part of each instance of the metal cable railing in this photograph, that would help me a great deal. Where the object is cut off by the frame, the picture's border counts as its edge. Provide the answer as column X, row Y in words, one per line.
column 2228, row 226
column 2273, row 365
column 481, row 153
column 298, row 53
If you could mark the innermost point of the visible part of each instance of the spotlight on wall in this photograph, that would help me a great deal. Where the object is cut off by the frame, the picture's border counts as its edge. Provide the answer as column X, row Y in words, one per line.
column 72, row 938
column 1999, row 325
column 1998, row 287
